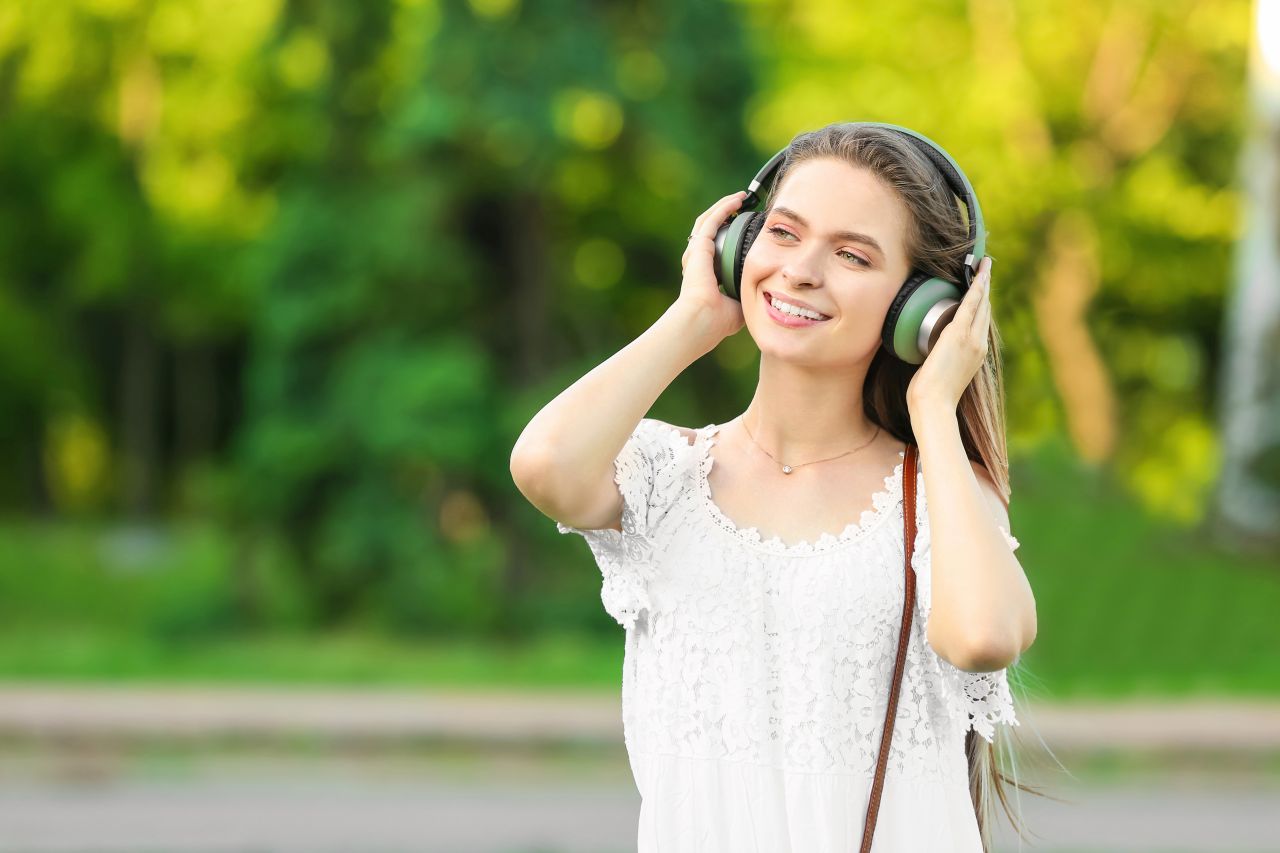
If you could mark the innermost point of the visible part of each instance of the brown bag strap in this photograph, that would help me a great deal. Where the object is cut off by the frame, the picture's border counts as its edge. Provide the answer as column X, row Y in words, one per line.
column 908, row 607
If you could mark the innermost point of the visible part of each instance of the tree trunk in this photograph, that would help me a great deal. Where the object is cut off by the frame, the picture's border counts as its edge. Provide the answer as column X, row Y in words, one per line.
column 1249, row 490
column 195, row 397
column 139, row 428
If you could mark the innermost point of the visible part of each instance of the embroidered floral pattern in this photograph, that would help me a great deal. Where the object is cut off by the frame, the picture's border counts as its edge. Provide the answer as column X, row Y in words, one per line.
column 648, row 472
column 882, row 502
column 978, row 700
column 779, row 655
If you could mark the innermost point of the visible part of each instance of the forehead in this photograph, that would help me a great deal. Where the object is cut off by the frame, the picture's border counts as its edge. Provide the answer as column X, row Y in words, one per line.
column 833, row 195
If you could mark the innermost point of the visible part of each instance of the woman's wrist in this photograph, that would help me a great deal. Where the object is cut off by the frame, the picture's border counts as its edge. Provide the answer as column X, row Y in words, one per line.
column 694, row 326
column 926, row 410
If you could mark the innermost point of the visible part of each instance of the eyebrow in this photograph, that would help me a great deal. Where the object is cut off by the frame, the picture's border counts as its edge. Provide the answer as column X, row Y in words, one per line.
column 852, row 236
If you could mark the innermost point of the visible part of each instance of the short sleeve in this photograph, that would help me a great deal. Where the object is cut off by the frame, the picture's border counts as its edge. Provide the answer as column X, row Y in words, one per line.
column 645, row 471
column 976, row 700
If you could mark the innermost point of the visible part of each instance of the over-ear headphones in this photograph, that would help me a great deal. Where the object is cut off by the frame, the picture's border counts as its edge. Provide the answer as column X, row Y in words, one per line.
column 923, row 305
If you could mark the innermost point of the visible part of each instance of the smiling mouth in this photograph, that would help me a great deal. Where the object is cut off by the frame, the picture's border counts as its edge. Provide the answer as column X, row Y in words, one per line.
column 768, row 300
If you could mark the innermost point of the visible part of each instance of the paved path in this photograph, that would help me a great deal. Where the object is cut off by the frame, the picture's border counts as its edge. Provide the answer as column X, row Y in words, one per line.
column 302, row 805
column 47, row 710
column 113, row 768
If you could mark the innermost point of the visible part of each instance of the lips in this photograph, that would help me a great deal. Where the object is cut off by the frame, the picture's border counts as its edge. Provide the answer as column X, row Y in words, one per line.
column 768, row 295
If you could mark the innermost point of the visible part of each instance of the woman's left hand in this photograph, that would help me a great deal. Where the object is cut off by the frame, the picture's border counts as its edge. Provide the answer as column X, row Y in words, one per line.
column 960, row 350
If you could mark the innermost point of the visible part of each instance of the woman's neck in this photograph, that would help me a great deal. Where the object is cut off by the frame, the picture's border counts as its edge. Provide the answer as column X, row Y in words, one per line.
column 797, row 416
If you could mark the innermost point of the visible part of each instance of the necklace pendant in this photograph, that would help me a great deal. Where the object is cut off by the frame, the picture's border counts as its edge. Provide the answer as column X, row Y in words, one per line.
column 786, row 469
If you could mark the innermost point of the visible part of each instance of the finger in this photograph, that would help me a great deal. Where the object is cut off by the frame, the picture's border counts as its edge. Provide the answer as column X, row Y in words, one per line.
column 982, row 279
column 710, row 222
column 719, row 212
column 702, row 217
column 969, row 304
column 981, row 273
column 982, row 317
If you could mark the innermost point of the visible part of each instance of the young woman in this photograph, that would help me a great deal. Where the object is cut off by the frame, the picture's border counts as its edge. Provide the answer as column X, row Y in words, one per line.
column 757, row 565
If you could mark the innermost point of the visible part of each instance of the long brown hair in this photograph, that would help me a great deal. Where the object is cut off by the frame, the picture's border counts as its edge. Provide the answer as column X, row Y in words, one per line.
column 937, row 242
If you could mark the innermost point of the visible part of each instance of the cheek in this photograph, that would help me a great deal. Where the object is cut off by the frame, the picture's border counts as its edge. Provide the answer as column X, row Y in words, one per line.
column 870, row 294
column 862, row 314
column 883, row 297
column 877, row 306
column 759, row 264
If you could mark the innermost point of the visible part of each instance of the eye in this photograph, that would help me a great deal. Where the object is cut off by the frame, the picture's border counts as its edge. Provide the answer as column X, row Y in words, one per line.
column 782, row 231
column 860, row 260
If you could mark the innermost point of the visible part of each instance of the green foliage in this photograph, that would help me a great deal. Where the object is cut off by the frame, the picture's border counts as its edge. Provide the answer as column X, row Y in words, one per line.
column 1102, row 140
column 396, row 285
column 173, row 584
column 303, row 271
column 1128, row 605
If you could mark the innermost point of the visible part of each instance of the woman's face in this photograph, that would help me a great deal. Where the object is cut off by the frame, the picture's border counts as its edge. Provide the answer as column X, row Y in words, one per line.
column 834, row 241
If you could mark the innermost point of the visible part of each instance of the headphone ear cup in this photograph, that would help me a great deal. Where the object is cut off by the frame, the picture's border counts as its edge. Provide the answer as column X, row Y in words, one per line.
column 733, row 241
column 922, row 307
column 749, row 234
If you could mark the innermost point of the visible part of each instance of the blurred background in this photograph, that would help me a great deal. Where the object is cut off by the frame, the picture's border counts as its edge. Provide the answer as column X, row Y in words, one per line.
column 282, row 282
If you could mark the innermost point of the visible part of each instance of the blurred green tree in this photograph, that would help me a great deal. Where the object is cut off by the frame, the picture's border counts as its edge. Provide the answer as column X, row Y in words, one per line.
column 1102, row 141
column 312, row 266
column 410, row 311
column 126, row 168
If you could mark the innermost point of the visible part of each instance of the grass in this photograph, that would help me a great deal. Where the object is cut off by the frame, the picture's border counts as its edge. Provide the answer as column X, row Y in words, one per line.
column 1128, row 606
column 548, row 662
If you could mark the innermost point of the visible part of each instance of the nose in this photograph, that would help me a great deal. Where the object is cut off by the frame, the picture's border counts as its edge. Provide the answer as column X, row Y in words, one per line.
column 803, row 267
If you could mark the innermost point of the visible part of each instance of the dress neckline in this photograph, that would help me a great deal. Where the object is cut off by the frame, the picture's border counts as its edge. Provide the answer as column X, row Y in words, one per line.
column 882, row 502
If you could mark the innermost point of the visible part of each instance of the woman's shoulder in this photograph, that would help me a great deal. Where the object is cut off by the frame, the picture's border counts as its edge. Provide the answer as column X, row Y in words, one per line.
column 662, row 429
column 672, row 453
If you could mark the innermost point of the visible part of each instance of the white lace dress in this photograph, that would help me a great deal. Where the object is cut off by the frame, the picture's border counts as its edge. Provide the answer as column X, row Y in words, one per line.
column 756, row 673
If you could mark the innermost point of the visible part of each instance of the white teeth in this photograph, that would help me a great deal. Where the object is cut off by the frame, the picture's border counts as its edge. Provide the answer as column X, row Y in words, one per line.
column 794, row 310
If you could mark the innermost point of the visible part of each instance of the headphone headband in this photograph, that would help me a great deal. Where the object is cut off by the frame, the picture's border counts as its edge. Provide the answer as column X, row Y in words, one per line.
column 941, row 160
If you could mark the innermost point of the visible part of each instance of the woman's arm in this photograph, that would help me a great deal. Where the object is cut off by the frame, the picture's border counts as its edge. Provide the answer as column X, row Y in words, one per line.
column 563, row 461
column 984, row 613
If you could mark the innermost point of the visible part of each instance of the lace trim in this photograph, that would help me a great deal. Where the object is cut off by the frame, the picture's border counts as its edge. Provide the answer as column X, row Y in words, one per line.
column 882, row 502
column 977, row 700
column 625, row 557
column 626, row 566
column 649, row 475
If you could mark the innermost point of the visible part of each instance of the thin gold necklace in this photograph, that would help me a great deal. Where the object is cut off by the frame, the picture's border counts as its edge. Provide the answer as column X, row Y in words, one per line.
column 787, row 469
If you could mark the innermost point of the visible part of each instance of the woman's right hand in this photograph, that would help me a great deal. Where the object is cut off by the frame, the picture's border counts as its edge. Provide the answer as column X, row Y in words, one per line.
column 700, row 293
